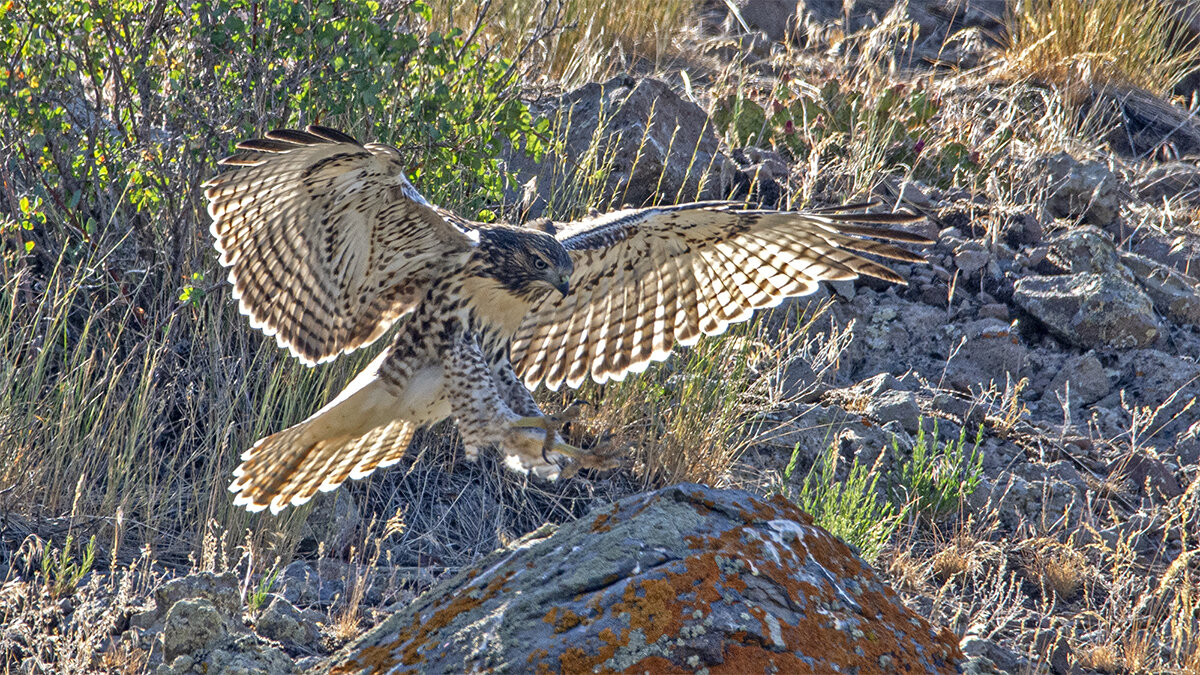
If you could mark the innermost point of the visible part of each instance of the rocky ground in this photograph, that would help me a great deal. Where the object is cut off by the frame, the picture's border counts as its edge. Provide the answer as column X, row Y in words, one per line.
column 1059, row 311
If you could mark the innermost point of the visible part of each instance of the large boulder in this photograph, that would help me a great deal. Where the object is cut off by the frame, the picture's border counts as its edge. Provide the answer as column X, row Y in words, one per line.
column 1090, row 310
column 1101, row 303
column 680, row 579
column 649, row 145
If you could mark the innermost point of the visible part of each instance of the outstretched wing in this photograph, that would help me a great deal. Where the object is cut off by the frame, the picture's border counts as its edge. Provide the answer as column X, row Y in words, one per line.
column 645, row 279
column 327, row 242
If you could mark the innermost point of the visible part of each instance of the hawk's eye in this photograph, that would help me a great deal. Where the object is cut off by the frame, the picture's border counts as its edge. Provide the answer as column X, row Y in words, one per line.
column 539, row 263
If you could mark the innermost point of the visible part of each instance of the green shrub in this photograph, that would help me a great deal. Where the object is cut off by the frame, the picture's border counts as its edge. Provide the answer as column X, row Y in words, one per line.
column 936, row 479
column 851, row 510
column 60, row 572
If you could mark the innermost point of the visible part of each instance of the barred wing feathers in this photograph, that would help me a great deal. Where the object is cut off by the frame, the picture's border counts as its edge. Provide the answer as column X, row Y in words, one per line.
column 646, row 279
column 327, row 242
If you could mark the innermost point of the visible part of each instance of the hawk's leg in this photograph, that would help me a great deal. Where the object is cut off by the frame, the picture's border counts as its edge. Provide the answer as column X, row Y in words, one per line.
column 521, row 400
column 486, row 418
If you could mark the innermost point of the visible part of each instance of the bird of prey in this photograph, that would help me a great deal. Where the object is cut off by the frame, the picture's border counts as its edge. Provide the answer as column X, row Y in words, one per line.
column 328, row 245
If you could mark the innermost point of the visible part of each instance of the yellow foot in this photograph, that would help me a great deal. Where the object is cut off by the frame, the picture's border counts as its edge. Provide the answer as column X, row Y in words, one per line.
column 603, row 456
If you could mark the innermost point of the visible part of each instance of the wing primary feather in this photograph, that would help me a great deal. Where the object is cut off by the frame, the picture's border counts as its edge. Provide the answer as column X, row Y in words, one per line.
column 294, row 136
column 267, row 145
column 888, row 233
column 332, row 135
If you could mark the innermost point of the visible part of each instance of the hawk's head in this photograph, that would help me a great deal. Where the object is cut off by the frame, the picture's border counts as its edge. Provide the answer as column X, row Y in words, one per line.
column 526, row 261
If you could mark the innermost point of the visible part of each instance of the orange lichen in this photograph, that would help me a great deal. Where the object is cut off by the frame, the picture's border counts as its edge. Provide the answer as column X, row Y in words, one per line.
column 575, row 660
column 562, row 624
column 601, row 523
column 410, row 640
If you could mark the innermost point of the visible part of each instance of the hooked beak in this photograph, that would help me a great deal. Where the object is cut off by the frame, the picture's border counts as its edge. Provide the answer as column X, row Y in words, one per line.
column 563, row 285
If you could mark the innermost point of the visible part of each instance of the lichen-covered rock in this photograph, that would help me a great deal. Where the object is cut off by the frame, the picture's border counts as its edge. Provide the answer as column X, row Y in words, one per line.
column 651, row 143
column 196, row 627
column 219, row 590
column 191, row 625
column 282, row 622
column 676, row 580
column 1090, row 309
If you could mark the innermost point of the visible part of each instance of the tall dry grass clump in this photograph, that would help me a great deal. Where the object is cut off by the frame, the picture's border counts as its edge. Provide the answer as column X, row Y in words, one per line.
column 575, row 39
column 1084, row 43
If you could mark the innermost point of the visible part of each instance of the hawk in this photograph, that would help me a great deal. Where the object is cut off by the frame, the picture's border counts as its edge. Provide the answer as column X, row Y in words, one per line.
column 328, row 245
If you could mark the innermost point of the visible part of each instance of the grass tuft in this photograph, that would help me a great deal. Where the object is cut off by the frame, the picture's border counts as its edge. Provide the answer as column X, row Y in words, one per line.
column 1080, row 44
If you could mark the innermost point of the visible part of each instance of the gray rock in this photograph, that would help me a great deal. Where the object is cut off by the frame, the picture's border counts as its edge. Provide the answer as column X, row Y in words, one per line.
column 1052, row 643
column 775, row 18
column 1147, row 475
column 1174, row 293
column 302, row 586
column 240, row 656
column 655, row 147
column 1001, row 658
column 994, row 310
column 1086, row 249
column 191, row 625
column 282, row 622
column 687, row 577
column 220, row 590
column 898, row 406
column 1087, row 190
column 197, row 621
column 1090, row 310
column 991, row 352
column 1165, row 384
column 971, row 257
column 1087, row 379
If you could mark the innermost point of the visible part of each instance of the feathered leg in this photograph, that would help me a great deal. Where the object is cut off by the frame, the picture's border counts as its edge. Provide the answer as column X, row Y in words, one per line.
column 486, row 416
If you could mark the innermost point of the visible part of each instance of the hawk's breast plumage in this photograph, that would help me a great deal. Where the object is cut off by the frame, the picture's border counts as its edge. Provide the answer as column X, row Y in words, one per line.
column 328, row 245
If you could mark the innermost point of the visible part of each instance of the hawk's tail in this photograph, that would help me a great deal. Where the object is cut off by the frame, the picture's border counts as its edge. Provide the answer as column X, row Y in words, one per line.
column 350, row 437
column 288, row 468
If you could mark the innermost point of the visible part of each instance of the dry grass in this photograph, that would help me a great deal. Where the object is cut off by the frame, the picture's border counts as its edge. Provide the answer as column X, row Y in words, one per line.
column 1059, row 568
column 580, row 40
column 684, row 420
column 1101, row 658
column 955, row 561
column 1080, row 44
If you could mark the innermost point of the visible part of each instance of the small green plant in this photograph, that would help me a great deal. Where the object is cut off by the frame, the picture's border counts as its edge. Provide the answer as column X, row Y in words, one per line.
column 936, row 479
column 851, row 510
column 258, row 597
column 60, row 572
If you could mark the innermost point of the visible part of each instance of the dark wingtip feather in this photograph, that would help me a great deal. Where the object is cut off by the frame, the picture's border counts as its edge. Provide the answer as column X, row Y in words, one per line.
column 294, row 136
column 332, row 135
column 245, row 158
column 884, row 233
column 267, row 145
